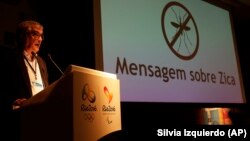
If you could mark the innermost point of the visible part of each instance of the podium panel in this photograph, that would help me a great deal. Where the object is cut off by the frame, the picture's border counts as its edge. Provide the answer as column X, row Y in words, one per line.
column 82, row 105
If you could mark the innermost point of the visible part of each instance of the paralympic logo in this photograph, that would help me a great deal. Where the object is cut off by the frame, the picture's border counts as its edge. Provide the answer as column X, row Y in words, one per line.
column 108, row 94
column 108, row 108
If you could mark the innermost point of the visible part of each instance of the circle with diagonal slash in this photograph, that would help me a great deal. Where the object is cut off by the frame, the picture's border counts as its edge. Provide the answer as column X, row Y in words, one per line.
column 180, row 30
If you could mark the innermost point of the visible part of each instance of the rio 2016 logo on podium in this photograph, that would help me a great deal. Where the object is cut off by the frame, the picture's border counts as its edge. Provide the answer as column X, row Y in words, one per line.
column 88, row 96
column 108, row 109
column 108, row 94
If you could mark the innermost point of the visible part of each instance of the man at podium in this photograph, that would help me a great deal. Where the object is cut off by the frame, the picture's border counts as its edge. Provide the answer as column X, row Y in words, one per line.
column 24, row 76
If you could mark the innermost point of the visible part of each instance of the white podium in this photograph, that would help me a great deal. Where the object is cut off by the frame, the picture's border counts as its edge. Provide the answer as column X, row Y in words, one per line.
column 83, row 105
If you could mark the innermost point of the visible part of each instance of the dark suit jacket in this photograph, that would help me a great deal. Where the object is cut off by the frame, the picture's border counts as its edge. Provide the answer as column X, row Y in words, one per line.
column 15, row 84
column 25, row 87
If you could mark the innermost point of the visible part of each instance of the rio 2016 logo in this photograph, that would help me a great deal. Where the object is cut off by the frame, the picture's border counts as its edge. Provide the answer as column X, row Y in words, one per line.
column 88, row 94
column 108, row 94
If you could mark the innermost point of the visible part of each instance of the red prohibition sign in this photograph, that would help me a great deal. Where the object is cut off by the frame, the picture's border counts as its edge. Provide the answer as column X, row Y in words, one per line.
column 180, row 27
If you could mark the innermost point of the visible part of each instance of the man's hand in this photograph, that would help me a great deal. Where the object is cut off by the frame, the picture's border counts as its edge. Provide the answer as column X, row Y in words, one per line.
column 18, row 103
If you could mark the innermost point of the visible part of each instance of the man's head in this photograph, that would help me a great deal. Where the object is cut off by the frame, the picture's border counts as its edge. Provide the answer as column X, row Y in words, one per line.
column 29, row 36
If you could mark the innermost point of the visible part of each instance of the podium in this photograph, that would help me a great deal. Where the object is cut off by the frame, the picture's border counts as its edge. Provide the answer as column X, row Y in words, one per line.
column 83, row 105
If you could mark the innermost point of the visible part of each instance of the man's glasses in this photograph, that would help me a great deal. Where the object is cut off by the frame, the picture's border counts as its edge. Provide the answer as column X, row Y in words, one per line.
column 36, row 35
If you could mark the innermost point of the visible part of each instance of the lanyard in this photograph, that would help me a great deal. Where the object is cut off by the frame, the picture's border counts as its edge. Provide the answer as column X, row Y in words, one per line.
column 34, row 70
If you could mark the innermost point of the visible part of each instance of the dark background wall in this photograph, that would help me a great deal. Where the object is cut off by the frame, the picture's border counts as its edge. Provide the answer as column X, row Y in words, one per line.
column 68, row 29
column 69, row 33
column 69, row 38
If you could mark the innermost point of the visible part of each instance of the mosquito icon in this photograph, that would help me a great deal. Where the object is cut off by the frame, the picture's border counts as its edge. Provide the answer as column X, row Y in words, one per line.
column 180, row 30
column 179, row 25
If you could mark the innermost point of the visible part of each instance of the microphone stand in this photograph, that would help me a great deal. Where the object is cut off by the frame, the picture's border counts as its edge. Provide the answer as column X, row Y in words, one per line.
column 55, row 63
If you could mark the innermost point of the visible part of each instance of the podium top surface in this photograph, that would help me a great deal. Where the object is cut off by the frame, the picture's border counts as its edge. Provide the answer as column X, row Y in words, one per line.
column 72, row 68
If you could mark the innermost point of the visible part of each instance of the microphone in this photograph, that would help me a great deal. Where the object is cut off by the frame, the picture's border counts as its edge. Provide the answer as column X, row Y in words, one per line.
column 54, row 63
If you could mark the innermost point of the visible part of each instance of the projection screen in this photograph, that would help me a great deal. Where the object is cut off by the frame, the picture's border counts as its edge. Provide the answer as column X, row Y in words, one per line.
column 168, row 51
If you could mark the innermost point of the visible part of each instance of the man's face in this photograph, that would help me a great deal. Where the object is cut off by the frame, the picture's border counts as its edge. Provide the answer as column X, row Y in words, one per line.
column 34, row 39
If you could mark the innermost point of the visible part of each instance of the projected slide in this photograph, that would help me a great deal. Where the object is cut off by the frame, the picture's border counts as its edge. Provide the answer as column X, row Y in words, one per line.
column 170, row 51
